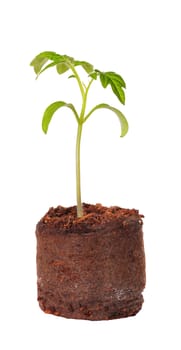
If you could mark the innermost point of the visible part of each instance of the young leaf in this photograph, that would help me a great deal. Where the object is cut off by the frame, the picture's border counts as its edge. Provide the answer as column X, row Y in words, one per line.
column 46, row 67
column 115, row 76
column 62, row 68
column 120, row 115
column 118, row 91
column 50, row 55
column 71, row 76
column 38, row 62
column 88, row 67
column 93, row 75
column 68, row 58
column 116, row 81
column 51, row 109
column 104, row 80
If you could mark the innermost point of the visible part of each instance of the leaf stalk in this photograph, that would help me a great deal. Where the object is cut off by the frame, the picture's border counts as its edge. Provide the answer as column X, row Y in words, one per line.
column 78, row 79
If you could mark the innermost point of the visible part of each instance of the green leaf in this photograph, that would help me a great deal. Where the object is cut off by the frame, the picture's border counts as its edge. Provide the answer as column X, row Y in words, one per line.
column 117, row 77
column 62, row 68
column 118, row 91
column 93, row 75
column 68, row 58
column 71, row 76
column 120, row 115
column 39, row 61
column 62, row 62
column 51, row 109
column 116, row 81
column 49, row 55
column 104, row 80
column 88, row 67
column 46, row 67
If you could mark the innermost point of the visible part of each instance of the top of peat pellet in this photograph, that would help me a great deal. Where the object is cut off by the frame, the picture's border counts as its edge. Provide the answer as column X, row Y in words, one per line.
column 95, row 217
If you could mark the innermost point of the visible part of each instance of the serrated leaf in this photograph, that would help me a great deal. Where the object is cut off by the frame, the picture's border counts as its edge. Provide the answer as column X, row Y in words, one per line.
column 104, row 80
column 62, row 68
column 120, row 115
column 117, row 77
column 88, row 67
column 39, row 61
column 118, row 91
column 116, row 82
column 51, row 109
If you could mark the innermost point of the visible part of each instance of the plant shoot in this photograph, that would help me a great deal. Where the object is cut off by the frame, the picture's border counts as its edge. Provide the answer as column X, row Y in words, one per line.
column 64, row 63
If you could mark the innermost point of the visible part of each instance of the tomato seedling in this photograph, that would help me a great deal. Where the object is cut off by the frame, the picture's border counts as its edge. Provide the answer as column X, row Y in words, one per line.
column 64, row 63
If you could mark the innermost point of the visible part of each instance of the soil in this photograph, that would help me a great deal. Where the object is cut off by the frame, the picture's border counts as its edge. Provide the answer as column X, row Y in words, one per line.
column 91, row 267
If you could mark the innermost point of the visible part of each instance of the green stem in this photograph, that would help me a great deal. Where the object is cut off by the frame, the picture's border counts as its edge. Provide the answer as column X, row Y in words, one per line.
column 78, row 141
column 78, row 79
column 79, row 133
column 80, row 121
column 78, row 179
column 85, row 101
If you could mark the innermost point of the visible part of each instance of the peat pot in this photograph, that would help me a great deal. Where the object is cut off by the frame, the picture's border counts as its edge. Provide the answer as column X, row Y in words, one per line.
column 91, row 267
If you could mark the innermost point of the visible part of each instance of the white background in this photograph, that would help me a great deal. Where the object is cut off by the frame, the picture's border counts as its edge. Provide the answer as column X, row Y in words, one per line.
column 141, row 41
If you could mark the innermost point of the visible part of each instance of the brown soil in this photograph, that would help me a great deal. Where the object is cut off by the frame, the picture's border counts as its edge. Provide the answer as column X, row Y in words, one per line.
column 91, row 267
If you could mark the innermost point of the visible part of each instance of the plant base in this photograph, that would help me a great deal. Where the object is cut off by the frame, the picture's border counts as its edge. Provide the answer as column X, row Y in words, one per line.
column 92, row 267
